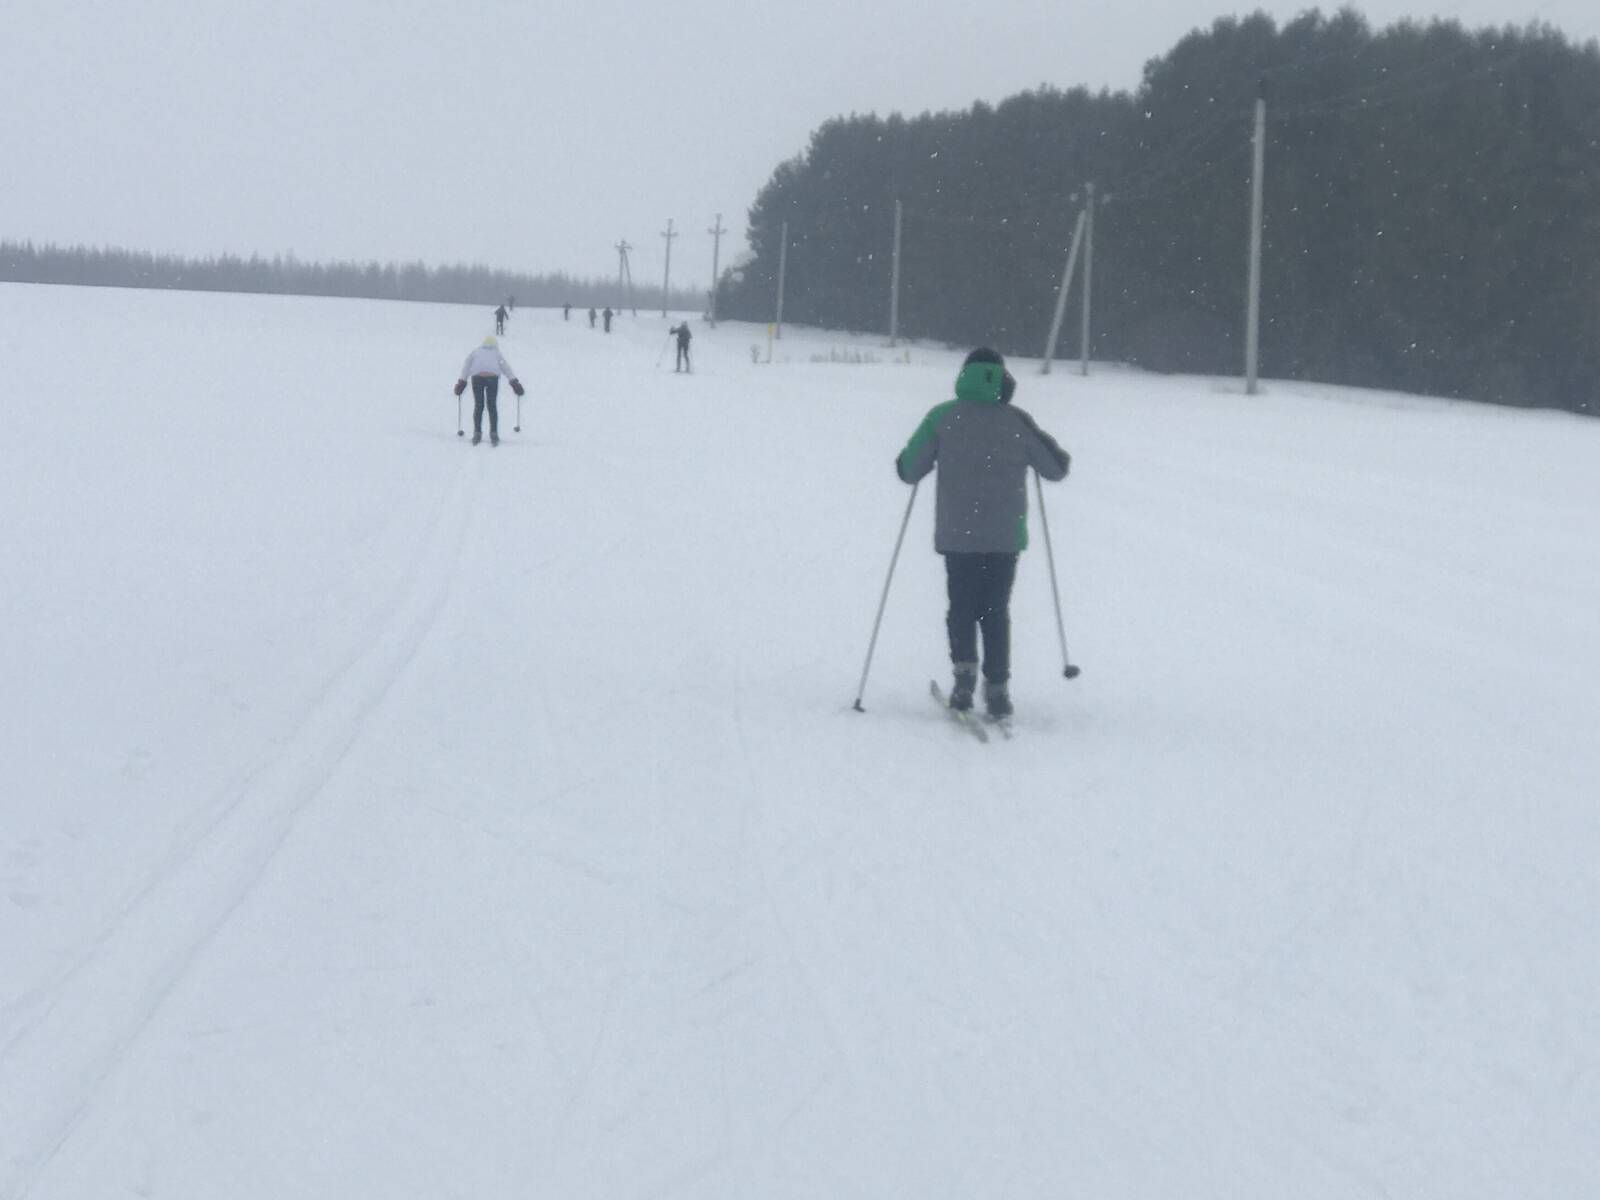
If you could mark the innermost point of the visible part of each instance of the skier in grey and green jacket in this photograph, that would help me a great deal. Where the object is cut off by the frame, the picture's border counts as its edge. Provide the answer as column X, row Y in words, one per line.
column 983, row 447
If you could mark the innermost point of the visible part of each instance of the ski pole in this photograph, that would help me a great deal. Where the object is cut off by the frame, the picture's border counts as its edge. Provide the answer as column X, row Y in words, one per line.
column 893, row 558
column 664, row 346
column 1067, row 669
column 459, row 431
column 517, row 428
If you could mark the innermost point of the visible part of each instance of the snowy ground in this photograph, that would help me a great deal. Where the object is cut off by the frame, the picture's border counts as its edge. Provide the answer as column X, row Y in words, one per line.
column 386, row 817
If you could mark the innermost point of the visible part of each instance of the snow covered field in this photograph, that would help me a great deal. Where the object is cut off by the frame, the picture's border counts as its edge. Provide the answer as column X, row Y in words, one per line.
column 384, row 817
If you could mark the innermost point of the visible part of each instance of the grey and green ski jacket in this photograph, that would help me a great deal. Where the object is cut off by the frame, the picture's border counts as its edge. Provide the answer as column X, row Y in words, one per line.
column 983, row 448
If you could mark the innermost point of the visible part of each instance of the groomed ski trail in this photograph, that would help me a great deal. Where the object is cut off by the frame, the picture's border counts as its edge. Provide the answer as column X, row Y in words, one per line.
column 137, row 961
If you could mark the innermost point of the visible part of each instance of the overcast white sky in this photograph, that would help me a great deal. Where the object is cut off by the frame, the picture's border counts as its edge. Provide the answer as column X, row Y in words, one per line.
column 530, row 134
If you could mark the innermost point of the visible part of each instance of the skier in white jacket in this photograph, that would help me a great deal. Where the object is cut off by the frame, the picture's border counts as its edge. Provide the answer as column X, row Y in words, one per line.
column 484, row 366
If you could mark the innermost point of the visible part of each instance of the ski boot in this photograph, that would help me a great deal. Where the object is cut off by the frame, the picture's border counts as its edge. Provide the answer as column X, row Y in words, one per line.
column 494, row 439
column 966, row 682
column 996, row 700
column 477, row 436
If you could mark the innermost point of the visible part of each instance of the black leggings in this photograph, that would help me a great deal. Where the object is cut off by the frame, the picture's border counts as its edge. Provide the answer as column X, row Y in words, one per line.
column 484, row 390
column 980, row 598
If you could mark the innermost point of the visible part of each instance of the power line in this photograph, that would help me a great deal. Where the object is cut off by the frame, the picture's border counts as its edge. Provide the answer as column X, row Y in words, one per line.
column 1142, row 184
column 1386, row 93
column 1422, row 81
column 1003, row 226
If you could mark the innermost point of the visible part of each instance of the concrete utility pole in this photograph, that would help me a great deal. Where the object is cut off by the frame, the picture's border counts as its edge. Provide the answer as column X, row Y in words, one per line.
column 894, row 282
column 624, row 272
column 666, row 280
column 783, row 264
column 1088, row 274
column 1061, row 295
column 1252, row 319
column 716, row 252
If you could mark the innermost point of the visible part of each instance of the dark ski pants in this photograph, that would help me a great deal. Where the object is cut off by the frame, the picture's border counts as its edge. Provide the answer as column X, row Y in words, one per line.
column 980, row 599
column 485, row 388
column 683, row 358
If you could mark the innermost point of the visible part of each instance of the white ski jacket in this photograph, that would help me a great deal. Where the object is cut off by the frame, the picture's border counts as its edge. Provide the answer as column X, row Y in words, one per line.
column 487, row 360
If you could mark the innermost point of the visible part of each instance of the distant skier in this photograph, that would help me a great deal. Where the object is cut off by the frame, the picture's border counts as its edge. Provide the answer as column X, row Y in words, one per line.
column 484, row 366
column 566, row 312
column 983, row 448
column 607, row 315
column 511, row 303
column 683, row 335
column 592, row 316
column 500, row 319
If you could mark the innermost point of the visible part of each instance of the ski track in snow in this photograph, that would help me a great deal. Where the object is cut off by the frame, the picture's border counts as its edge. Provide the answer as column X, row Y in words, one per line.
column 136, row 962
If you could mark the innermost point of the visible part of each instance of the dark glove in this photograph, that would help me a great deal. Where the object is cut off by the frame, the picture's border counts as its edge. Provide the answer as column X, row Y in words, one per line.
column 516, row 387
column 461, row 386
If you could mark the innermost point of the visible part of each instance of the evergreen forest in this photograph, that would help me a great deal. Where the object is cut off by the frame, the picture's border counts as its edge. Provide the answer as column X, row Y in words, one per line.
column 23, row 262
column 1432, row 212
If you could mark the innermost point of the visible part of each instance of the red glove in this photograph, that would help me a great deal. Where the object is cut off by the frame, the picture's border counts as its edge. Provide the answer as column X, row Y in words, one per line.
column 461, row 386
column 516, row 387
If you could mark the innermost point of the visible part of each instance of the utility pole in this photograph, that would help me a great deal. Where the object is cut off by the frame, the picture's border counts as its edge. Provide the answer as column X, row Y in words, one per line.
column 1252, row 319
column 666, row 280
column 1061, row 294
column 1088, row 274
column 894, row 282
column 716, row 251
column 624, row 272
column 783, row 264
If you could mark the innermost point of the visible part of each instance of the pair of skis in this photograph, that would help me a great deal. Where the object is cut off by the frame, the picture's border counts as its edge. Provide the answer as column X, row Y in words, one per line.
column 977, row 726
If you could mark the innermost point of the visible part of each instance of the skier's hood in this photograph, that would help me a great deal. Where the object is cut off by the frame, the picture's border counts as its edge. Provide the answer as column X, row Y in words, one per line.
column 982, row 377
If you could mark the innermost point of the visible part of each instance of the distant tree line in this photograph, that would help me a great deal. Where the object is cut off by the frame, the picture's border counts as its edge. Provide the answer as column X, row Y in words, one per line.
column 23, row 262
column 1432, row 212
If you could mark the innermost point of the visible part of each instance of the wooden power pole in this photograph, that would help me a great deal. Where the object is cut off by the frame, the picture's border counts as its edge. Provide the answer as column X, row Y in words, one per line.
column 716, row 251
column 624, row 272
column 1061, row 295
column 666, row 280
column 894, row 281
column 1252, row 316
column 783, row 266
column 1088, row 275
